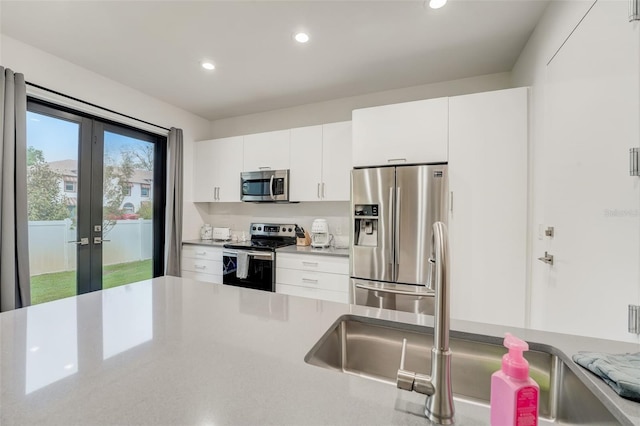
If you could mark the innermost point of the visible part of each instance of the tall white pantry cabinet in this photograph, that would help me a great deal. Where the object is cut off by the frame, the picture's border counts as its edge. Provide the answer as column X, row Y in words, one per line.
column 488, row 184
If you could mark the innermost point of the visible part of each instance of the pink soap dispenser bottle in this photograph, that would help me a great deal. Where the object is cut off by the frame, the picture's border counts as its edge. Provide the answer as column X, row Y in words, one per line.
column 514, row 395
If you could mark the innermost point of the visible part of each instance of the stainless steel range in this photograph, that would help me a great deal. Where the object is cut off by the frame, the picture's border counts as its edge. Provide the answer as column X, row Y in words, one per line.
column 251, row 264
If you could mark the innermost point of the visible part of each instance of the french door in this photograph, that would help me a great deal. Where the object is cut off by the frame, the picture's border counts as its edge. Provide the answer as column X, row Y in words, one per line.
column 95, row 203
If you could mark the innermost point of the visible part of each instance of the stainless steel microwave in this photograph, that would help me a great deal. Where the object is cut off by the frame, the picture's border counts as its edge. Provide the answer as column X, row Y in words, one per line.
column 264, row 186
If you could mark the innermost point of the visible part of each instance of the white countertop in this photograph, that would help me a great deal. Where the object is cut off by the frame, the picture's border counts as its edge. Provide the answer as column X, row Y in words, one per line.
column 328, row 251
column 174, row 351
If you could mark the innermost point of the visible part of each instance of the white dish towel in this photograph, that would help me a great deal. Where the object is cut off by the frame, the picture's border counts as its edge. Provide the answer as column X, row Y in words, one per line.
column 243, row 265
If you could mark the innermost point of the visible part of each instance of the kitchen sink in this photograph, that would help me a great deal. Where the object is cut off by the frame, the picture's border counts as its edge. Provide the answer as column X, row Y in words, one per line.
column 371, row 348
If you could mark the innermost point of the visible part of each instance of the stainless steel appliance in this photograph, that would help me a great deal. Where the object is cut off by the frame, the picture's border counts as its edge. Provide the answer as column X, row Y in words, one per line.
column 393, row 210
column 251, row 264
column 264, row 186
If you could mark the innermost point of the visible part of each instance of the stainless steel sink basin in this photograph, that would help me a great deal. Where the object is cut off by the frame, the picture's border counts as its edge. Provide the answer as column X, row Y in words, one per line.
column 371, row 348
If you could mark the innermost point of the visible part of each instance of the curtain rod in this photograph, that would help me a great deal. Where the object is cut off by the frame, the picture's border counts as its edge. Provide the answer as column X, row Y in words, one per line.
column 93, row 105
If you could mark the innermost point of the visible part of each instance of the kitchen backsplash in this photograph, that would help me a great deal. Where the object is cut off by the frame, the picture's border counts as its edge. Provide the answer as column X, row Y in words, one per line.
column 239, row 216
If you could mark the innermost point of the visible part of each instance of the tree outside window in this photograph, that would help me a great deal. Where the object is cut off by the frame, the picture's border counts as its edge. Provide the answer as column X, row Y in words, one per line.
column 44, row 200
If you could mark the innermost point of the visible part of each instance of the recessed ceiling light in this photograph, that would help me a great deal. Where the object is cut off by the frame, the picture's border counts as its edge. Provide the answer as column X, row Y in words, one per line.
column 301, row 37
column 437, row 4
column 208, row 65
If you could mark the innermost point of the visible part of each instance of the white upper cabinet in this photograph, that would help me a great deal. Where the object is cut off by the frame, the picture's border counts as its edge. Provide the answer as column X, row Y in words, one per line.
column 410, row 132
column 488, row 207
column 204, row 187
column 321, row 162
column 306, row 164
column 336, row 161
column 218, row 164
column 266, row 151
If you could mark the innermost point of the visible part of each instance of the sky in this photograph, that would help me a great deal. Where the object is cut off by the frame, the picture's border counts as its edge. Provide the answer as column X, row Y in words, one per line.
column 58, row 139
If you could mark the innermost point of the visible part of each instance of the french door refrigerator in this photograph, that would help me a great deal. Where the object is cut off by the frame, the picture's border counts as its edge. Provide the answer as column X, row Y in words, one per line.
column 393, row 211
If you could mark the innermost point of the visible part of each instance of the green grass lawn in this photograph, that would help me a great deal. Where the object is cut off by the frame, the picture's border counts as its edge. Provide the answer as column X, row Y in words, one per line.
column 47, row 287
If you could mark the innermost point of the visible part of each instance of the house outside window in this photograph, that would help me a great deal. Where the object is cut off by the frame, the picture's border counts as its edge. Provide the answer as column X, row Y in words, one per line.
column 69, row 186
column 128, row 208
column 127, row 190
column 144, row 190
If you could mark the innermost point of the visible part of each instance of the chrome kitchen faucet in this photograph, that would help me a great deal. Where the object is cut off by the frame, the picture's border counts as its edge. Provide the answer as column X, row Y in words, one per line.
column 439, row 405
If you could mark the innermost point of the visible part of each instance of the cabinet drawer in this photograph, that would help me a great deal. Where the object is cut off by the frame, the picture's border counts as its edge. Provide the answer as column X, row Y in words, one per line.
column 202, row 266
column 202, row 252
column 312, row 279
column 210, row 278
column 313, row 293
column 306, row 262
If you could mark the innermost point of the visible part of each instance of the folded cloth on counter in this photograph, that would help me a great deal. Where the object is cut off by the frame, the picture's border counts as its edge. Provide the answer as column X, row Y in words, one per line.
column 621, row 372
column 243, row 265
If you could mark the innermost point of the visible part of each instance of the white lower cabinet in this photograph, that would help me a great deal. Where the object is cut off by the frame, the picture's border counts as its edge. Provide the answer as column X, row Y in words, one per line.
column 202, row 263
column 314, row 276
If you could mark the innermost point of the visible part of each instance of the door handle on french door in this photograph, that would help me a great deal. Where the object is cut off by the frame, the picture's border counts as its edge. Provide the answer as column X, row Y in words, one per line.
column 99, row 240
column 82, row 242
column 396, row 248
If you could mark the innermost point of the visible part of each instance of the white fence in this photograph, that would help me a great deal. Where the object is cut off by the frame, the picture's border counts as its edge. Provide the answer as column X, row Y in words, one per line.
column 51, row 251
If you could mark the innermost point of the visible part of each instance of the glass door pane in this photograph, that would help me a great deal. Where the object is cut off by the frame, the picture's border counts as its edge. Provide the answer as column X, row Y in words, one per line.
column 52, row 195
column 127, row 208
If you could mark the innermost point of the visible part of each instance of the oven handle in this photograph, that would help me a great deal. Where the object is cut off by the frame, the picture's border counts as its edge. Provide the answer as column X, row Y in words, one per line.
column 258, row 254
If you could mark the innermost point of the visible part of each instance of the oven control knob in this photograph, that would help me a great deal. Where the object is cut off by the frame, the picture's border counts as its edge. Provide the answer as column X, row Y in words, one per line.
column 259, row 228
column 253, row 229
column 284, row 229
column 290, row 229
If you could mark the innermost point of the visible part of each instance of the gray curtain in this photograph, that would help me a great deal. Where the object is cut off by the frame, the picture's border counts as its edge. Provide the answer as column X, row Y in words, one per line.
column 15, row 289
column 173, row 233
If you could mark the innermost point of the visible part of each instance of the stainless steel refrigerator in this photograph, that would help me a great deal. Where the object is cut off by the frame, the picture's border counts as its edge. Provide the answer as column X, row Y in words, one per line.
column 393, row 210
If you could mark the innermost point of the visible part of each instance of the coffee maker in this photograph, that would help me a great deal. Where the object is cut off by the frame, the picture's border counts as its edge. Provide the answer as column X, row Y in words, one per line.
column 320, row 236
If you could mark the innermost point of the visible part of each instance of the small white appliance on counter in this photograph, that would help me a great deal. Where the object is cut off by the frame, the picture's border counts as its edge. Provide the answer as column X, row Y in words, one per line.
column 320, row 234
column 221, row 234
column 206, row 232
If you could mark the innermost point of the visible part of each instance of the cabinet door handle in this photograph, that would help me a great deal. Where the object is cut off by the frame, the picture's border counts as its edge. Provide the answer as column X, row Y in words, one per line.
column 264, row 168
column 314, row 264
column 309, row 280
column 200, row 267
column 318, row 190
column 397, row 160
column 201, row 253
column 323, row 194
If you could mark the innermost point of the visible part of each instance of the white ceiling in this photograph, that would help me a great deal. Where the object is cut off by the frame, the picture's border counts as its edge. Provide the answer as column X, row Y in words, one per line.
column 356, row 47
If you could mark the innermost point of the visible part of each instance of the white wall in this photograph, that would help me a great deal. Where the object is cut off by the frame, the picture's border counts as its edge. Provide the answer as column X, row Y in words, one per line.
column 340, row 109
column 238, row 216
column 42, row 68
column 583, row 65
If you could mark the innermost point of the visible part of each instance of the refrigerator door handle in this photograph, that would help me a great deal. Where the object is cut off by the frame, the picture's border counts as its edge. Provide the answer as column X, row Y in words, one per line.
column 427, row 293
column 392, row 252
column 396, row 249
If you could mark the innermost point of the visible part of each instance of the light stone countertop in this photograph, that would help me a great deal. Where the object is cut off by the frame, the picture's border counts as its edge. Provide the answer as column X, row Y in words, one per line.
column 175, row 351
column 328, row 251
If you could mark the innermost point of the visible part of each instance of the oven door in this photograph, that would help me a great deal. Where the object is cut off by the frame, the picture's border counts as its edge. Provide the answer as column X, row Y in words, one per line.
column 268, row 185
column 249, row 269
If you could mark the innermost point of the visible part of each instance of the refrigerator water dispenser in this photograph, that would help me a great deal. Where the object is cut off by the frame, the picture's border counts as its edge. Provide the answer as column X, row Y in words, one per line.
column 366, row 225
